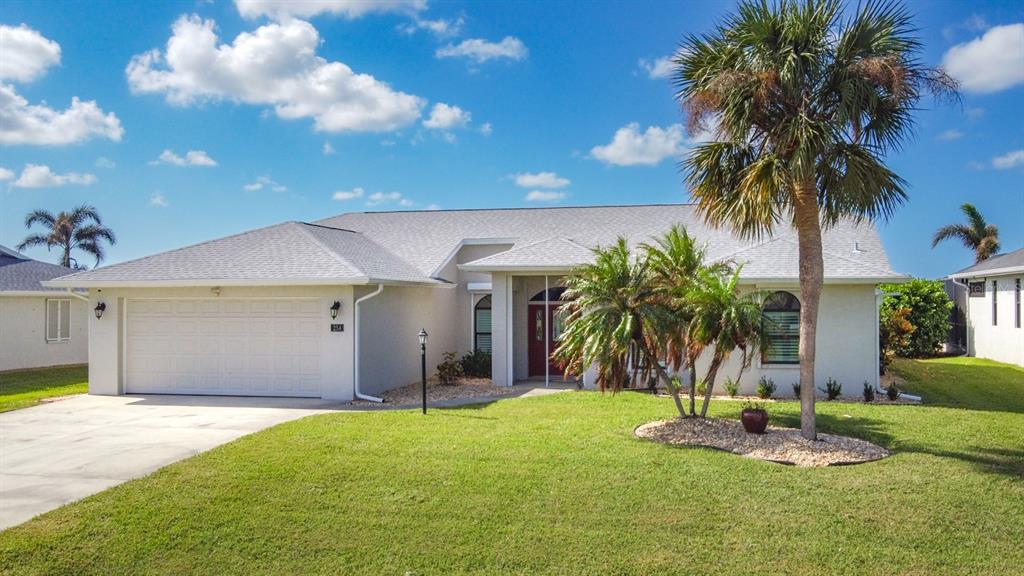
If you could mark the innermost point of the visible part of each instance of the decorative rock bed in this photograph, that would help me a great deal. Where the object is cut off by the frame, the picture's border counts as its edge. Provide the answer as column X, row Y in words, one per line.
column 411, row 395
column 781, row 445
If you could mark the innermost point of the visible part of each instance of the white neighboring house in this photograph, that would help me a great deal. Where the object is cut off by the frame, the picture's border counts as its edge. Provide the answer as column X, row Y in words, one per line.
column 332, row 308
column 994, row 307
column 39, row 326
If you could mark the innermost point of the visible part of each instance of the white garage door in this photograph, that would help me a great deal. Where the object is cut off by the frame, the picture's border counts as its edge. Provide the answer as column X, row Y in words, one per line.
column 237, row 347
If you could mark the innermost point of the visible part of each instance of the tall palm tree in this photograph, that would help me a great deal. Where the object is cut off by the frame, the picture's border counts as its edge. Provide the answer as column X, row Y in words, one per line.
column 977, row 234
column 614, row 316
column 807, row 104
column 80, row 229
column 724, row 320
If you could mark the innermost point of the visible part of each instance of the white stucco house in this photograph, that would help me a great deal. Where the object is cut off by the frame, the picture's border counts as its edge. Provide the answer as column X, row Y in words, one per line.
column 332, row 308
column 39, row 326
column 993, row 308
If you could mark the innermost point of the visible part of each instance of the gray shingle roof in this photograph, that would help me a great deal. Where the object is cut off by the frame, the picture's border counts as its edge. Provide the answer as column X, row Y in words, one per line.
column 19, row 273
column 1010, row 262
column 413, row 246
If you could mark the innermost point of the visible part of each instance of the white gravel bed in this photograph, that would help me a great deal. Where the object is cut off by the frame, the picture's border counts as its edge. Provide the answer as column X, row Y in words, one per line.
column 782, row 445
column 465, row 388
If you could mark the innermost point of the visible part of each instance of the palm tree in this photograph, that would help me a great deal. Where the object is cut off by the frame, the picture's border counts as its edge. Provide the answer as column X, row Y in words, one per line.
column 806, row 105
column 977, row 234
column 723, row 320
column 614, row 316
column 81, row 229
column 676, row 260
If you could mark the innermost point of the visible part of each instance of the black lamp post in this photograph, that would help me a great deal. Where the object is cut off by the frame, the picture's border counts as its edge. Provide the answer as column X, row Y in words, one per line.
column 423, row 366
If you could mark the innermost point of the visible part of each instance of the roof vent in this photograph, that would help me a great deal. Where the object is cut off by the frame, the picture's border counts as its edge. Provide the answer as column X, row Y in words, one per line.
column 857, row 249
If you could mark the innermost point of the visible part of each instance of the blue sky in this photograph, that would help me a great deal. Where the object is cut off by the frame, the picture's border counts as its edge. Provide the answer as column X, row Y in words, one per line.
column 401, row 104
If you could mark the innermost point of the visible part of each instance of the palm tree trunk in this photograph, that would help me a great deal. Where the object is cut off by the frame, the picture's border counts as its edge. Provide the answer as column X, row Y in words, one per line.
column 66, row 261
column 812, row 272
column 672, row 389
column 693, row 387
column 709, row 383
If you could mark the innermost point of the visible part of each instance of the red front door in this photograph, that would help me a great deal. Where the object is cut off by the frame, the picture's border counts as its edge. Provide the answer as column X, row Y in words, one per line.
column 540, row 327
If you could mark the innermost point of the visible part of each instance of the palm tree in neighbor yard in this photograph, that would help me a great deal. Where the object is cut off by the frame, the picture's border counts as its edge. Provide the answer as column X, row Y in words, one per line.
column 80, row 229
column 803, row 104
column 977, row 234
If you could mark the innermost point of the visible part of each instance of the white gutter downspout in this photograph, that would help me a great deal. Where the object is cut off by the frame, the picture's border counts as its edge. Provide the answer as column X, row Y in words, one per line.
column 360, row 300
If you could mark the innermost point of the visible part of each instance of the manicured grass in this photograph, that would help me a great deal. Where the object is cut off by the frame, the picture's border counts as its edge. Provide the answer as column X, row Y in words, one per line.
column 965, row 382
column 27, row 387
column 556, row 485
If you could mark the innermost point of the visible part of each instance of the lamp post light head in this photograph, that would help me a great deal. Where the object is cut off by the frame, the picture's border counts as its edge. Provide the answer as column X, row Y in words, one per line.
column 100, row 309
column 423, row 337
column 334, row 309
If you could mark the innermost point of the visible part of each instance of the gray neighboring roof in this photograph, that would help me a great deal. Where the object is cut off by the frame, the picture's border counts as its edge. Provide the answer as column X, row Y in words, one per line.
column 414, row 246
column 21, row 274
column 1009, row 263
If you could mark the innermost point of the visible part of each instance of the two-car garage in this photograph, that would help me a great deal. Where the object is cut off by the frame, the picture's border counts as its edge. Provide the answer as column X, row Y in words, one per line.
column 223, row 346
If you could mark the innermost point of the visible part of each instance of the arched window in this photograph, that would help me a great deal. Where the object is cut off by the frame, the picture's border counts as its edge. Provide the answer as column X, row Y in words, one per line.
column 782, row 329
column 553, row 295
column 482, row 325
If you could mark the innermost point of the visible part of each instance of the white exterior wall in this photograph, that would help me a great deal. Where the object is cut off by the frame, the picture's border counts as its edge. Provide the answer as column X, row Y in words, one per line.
column 465, row 300
column 106, row 343
column 1003, row 342
column 23, row 333
column 846, row 346
column 501, row 329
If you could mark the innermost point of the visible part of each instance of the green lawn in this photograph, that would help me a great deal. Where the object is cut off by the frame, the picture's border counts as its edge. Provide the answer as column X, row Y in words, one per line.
column 559, row 485
column 28, row 387
column 965, row 382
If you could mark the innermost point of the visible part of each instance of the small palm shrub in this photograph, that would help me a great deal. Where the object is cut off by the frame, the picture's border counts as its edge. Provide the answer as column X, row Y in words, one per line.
column 796, row 389
column 892, row 392
column 732, row 387
column 869, row 392
column 701, row 388
column 449, row 370
column 476, row 364
column 832, row 389
column 765, row 388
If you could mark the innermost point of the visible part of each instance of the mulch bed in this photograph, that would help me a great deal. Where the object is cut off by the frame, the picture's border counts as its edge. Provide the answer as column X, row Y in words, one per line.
column 412, row 394
column 781, row 445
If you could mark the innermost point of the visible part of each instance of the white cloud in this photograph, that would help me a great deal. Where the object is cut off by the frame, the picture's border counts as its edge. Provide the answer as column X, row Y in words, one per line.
column 445, row 117
column 974, row 23
column 24, row 123
column 480, row 50
column 350, row 9
column 441, row 27
column 40, row 176
column 630, row 147
column 991, row 63
column 657, row 68
column 327, row 149
column 352, row 194
column 950, row 135
column 275, row 65
column 192, row 158
column 382, row 197
column 486, row 129
column 433, row 207
column 545, row 196
column 974, row 113
column 540, row 180
column 26, row 53
column 1009, row 160
column 265, row 182
column 104, row 162
column 157, row 199
column 6, row 174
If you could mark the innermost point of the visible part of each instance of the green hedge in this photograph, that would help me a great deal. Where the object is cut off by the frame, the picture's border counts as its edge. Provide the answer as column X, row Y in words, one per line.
column 929, row 313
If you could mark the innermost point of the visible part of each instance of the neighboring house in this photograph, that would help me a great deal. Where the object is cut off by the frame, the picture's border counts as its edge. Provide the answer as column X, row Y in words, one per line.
column 253, row 314
column 994, row 307
column 39, row 326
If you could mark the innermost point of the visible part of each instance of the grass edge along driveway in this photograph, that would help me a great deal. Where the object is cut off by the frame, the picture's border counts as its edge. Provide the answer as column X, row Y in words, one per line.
column 24, row 388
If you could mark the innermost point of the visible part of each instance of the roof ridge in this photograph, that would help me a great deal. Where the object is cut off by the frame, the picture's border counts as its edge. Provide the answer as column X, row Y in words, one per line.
column 747, row 248
column 344, row 261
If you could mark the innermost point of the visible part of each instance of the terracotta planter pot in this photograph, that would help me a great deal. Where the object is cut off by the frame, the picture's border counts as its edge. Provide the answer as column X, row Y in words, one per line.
column 754, row 421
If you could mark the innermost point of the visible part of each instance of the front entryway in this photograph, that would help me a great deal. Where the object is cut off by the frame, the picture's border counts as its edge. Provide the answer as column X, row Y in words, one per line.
column 545, row 331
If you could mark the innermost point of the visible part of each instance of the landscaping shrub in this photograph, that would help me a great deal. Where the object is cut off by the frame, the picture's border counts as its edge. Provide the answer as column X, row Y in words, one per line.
column 892, row 392
column 832, row 389
column 929, row 314
column 796, row 389
column 732, row 387
column 894, row 332
column 869, row 392
column 476, row 364
column 701, row 388
column 765, row 388
column 449, row 370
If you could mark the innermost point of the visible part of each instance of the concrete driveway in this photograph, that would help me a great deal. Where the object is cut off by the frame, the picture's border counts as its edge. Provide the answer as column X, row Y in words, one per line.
column 63, row 451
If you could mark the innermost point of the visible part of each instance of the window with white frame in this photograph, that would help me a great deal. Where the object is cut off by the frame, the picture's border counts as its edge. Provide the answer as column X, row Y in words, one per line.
column 482, row 325
column 58, row 320
column 781, row 329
